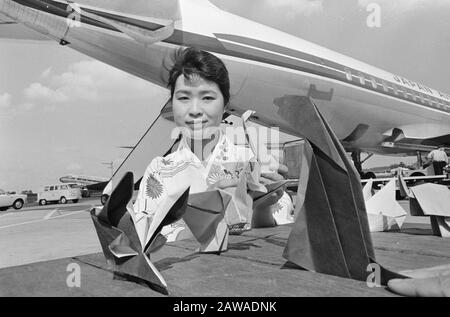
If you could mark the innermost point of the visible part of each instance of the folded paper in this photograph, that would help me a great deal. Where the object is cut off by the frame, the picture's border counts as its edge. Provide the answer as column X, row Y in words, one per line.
column 402, row 187
column 204, row 216
column 239, row 203
column 331, row 233
column 383, row 211
column 120, row 241
column 261, row 197
column 266, row 161
column 368, row 190
column 434, row 201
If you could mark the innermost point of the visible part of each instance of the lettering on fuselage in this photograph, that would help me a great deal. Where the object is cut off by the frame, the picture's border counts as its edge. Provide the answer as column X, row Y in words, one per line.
column 270, row 53
column 413, row 91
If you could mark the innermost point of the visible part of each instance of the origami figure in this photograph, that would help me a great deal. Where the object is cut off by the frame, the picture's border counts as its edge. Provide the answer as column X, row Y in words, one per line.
column 403, row 188
column 205, row 218
column 434, row 201
column 210, row 214
column 331, row 233
column 121, row 244
column 383, row 211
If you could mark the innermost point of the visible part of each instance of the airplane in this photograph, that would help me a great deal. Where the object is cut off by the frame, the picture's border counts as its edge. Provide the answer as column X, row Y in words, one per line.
column 82, row 180
column 369, row 109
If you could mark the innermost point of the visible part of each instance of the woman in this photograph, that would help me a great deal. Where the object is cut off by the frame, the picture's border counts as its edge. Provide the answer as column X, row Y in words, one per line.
column 200, row 92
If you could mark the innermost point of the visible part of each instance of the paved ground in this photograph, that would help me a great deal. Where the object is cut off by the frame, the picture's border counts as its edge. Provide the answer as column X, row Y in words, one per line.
column 39, row 243
column 56, row 231
column 44, row 233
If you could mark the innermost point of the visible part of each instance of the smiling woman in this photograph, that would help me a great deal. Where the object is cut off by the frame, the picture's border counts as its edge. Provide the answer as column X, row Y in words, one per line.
column 200, row 90
column 205, row 159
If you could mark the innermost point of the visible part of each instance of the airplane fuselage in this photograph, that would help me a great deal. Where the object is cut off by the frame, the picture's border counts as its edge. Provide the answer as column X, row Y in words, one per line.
column 264, row 63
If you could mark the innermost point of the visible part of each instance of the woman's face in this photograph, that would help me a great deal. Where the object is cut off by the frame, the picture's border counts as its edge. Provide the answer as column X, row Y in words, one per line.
column 198, row 104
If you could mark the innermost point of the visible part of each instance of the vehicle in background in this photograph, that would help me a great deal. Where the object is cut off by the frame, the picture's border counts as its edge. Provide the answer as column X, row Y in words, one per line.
column 8, row 200
column 85, row 192
column 61, row 193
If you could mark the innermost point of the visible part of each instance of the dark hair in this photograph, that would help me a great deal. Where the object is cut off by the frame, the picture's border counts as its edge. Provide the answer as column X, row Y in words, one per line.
column 192, row 61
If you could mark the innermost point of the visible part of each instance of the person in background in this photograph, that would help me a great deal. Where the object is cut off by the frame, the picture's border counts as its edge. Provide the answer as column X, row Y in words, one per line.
column 439, row 159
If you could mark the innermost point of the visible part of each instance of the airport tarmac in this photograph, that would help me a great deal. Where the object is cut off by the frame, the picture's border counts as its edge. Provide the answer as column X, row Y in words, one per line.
column 41, row 233
column 39, row 243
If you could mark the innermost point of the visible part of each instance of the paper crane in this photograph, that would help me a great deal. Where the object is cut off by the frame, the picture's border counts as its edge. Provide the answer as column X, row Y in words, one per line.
column 434, row 201
column 120, row 242
column 383, row 211
column 331, row 233
column 205, row 218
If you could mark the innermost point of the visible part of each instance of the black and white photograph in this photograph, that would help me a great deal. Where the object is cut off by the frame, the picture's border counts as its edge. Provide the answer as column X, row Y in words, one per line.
column 225, row 155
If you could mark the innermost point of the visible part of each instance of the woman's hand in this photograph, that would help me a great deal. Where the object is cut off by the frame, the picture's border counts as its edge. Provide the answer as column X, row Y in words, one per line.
column 262, row 215
column 224, row 183
column 267, row 178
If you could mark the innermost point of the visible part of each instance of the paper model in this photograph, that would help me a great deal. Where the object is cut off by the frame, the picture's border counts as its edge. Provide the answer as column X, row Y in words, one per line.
column 266, row 161
column 403, row 188
column 367, row 190
column 271, row 188
column 120, row 241
column 331, row 233
column 432, row 200
column 204, row 216
column 383, row 211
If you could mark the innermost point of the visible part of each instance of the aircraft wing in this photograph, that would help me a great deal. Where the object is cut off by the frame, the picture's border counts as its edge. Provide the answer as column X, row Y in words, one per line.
column 418, row 137
column 10, row 30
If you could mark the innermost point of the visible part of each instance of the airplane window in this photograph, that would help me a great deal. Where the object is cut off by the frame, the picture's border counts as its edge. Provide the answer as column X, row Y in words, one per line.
column 395, row 89
column 362, row 80
column 374, row 83
column 406, row 93
column 348, row 74
column 63, row 187
column 52, row 187
column 432, row 101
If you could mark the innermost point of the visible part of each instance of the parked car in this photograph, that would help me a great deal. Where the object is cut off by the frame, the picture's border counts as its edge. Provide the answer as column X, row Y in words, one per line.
column 11, row 200
column 61, row 193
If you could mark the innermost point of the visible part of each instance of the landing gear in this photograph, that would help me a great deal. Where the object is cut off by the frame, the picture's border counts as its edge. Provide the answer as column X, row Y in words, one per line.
column 356, row 157
column 104, row 199
column 419, row 160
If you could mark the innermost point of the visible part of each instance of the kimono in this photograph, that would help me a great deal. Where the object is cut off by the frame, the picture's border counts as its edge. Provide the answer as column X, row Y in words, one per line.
column 166, row 178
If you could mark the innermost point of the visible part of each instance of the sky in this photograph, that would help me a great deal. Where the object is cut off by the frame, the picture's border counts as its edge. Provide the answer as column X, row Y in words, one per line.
column 63, row 113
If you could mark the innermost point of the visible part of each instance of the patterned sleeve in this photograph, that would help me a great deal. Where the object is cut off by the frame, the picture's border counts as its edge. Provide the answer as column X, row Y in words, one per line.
column 253, row 172
column 151, row 191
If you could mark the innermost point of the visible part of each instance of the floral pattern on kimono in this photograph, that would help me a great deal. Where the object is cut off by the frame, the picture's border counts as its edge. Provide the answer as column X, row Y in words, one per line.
column 182, row 168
